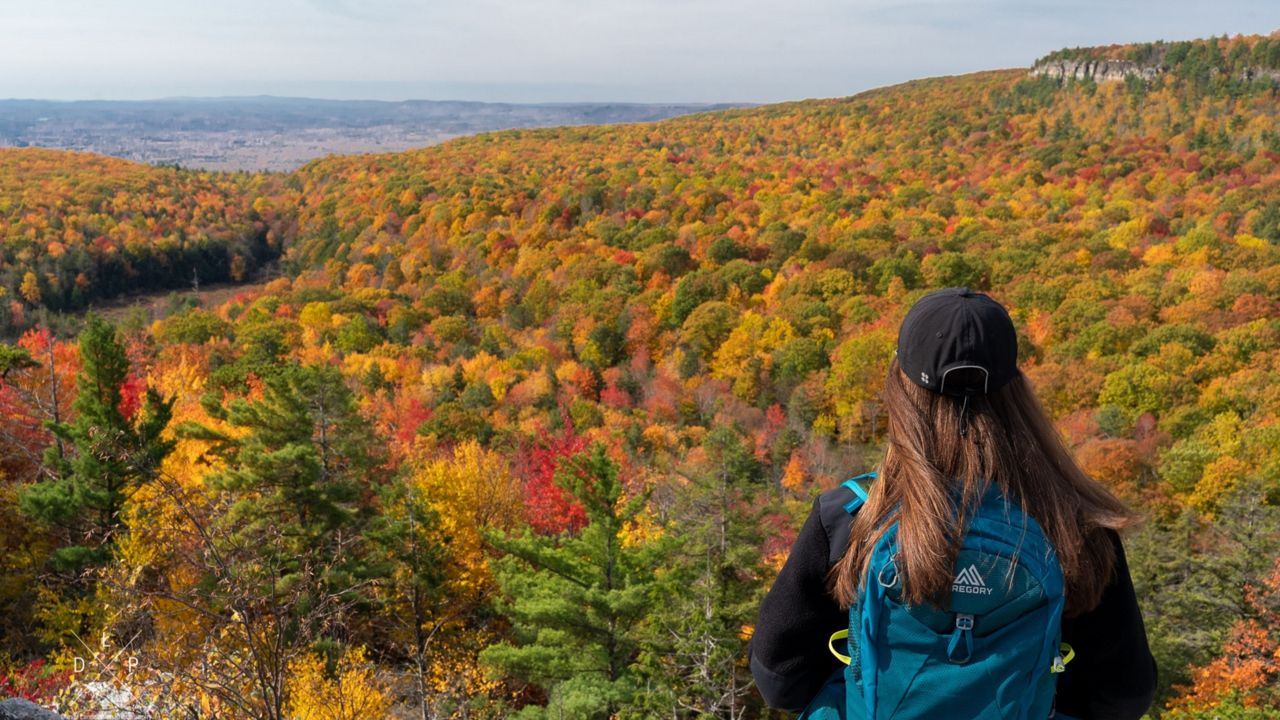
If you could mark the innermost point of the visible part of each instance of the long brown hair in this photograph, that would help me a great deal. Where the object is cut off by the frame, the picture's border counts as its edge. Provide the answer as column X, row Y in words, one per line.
column 937, row 446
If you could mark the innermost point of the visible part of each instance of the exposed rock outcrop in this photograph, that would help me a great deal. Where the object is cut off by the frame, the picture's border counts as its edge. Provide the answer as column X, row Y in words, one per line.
column 1119, row 70
column 19, row 709
column 1097, row 70
column 1251, row 74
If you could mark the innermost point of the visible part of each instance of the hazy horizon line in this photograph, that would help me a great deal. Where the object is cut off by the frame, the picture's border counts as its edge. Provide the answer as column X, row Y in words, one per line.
column 316, row 98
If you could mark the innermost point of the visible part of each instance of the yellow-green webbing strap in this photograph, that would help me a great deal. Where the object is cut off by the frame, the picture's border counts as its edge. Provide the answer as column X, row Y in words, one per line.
column 831, row 645
column 1066, row 654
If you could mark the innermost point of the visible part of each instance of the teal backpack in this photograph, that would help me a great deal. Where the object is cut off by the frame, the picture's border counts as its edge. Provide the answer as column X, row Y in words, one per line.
column 994, row 655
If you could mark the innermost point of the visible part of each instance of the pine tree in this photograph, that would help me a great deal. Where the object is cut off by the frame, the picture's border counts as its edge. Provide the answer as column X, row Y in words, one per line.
column 108, row 450
column 406, row 537
column 696, row 650
column 577, row 602
column 15, row 359
column 300, row 475
column 303, row 460
column 289, row 565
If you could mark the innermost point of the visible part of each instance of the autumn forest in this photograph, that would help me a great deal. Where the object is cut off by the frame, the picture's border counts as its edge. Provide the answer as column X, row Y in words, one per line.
column 523, row 425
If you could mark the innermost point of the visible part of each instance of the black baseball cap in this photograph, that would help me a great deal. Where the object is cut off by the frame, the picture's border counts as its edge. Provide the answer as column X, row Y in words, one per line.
column 958, row 329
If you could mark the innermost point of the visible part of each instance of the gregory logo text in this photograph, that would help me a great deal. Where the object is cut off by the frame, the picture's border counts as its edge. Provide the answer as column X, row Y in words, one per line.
column 969, row 581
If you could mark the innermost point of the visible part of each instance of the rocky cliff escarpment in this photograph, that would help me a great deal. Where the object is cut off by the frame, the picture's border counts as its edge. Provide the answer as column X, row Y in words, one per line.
column 1096, row 70
column 1251, row 74
column 1119, row 70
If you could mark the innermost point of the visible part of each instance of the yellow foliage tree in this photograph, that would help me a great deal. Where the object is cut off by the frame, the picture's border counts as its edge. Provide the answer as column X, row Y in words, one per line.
column 746, row 356
column 30, row 288
column 351, row 691
column 468, row 491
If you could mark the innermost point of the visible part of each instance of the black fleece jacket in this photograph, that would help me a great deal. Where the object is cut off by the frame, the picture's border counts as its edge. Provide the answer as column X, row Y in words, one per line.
column 1112, row 677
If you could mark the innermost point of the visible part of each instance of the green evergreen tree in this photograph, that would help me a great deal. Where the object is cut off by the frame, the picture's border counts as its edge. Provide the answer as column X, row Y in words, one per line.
column 412, row 594
column 289, row 559
column 106, row 454
column 14, row 359
column 577, row 603
column 298, row 475
column 695, row 653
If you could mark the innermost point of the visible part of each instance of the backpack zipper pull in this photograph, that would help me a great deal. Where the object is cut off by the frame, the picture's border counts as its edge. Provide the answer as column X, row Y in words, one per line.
column 963, row 631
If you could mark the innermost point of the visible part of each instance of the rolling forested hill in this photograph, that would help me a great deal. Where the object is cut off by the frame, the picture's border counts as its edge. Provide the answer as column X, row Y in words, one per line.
column 76, row 228
column 534, row 416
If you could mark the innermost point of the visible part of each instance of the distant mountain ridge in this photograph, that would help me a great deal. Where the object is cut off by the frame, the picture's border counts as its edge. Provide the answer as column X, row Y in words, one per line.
column 281, row 133
column 273, row 112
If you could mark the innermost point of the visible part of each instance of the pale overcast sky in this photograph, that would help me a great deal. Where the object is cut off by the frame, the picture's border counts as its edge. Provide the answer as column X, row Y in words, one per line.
column 559, row 50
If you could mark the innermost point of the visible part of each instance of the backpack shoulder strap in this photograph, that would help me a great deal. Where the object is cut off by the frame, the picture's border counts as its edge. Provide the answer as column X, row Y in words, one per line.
column 837, row 508
column 855, row 484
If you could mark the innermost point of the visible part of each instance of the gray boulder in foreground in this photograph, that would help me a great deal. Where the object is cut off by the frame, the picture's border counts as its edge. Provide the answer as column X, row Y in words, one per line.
column 19, row 709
